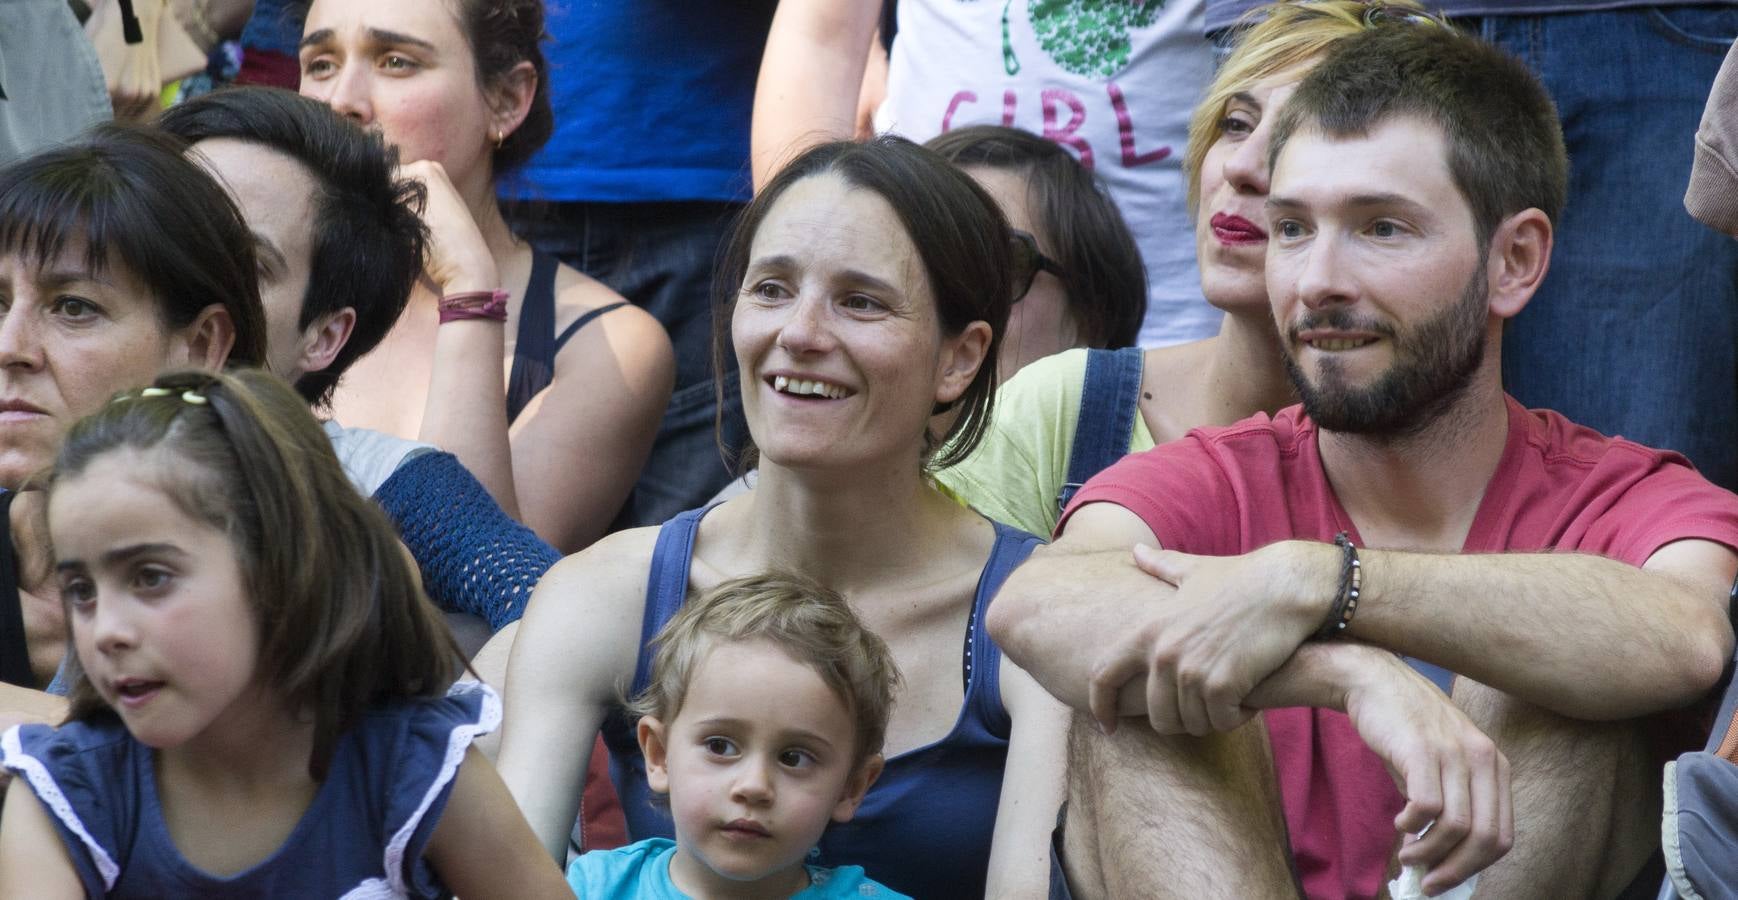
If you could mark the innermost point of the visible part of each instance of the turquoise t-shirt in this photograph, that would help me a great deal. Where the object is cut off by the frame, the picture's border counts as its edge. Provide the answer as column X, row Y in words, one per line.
column 642, row 872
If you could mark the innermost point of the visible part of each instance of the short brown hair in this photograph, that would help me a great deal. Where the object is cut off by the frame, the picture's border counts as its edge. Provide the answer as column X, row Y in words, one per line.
column 343, row 622
column 1278, row 37
column 811, row 623
column 1505, row 146
column 1081, row 225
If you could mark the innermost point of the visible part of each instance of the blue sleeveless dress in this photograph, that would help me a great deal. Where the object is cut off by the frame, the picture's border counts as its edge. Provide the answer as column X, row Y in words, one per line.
column 362, row 837
column 924, row 828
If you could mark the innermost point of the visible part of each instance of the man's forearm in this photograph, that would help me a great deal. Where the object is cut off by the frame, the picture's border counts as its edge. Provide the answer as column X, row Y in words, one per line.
column 1584, row 636
column 1058, row 608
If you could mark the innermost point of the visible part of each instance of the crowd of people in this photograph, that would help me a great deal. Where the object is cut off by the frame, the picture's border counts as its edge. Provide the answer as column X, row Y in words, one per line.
column 414, row 490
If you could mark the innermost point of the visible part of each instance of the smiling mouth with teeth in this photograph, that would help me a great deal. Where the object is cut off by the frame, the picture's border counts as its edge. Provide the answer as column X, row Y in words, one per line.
column 804, row 388
column 1337, row 344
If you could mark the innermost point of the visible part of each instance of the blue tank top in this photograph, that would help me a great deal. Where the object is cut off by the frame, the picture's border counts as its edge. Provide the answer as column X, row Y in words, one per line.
column 537, row 344
column 389, row 781
column 924, row 828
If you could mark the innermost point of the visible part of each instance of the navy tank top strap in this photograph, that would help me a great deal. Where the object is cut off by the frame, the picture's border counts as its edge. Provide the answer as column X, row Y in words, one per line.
column 571, row 330
column 666, row 584
column 1110, row 398
column 666, row 588
column 534, row 347
column 983, row 659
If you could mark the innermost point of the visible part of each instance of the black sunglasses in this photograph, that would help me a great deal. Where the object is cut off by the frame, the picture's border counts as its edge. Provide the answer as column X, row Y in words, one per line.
column 1028, row 262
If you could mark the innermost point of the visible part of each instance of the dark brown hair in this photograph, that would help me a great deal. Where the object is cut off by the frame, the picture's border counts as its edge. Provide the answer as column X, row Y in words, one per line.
column 1504, row 143
column 367, row 238
column 960, row 235
column 502, row 34
column 135, row 200
column 1078, row 223
column 343, row 622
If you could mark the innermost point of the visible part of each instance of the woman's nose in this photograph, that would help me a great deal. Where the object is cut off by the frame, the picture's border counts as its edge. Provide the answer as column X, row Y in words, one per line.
column 349, row 92
column 805, row 328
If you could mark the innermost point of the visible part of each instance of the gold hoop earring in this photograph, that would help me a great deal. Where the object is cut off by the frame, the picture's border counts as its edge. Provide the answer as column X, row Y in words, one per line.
column 500, row 138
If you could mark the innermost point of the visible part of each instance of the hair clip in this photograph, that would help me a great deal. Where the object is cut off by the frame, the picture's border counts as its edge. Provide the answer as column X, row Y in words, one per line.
column 188, row 396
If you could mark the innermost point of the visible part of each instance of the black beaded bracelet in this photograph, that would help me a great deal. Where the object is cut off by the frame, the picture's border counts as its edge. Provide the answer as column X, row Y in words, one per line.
column 1346, row 598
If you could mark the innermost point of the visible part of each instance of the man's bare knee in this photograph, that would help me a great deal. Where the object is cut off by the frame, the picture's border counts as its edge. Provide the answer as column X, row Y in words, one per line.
column 1161, row 816
column 1586, row 798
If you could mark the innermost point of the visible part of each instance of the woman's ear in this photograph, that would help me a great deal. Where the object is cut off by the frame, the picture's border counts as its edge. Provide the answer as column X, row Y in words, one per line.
column 207, row 340
column 650, row 732
column 856, row 786
column 961, row 357
column 510, row 98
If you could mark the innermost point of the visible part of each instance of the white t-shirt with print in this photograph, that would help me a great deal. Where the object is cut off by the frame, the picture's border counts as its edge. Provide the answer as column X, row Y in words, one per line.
column 1114, row 80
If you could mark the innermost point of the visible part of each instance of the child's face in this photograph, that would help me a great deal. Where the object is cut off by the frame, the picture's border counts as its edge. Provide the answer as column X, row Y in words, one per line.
column 756, row 763
column 156, row 602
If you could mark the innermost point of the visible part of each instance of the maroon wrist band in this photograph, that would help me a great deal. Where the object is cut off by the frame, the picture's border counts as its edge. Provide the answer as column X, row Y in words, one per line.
column 491, row 305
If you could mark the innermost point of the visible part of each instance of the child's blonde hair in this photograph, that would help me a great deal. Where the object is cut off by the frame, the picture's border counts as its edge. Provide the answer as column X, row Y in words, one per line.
column 343, row 622
column 811, row 623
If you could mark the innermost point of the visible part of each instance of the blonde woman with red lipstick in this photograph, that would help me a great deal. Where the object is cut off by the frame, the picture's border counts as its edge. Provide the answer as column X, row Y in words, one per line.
column 1050, row 432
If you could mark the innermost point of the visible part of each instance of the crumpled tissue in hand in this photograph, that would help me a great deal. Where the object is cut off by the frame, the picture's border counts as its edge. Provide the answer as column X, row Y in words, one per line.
column 1409, row 886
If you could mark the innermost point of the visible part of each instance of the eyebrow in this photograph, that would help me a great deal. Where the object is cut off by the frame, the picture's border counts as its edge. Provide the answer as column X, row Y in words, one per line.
column 853, row 276
column 1245, row 97
column 377, row 35
column 274, row 257
column 121, row 555
column 1356, row 201
column 61, row 277
column 784, row 734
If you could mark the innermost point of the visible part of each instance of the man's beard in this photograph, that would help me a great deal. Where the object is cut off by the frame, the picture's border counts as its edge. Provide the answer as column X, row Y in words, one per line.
column 1433, row 365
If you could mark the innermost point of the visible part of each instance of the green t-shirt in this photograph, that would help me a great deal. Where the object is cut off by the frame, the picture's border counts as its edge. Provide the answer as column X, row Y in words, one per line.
column 1017, row 470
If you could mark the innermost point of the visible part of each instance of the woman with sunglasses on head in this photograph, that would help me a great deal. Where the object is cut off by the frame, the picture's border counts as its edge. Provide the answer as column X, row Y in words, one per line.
column 863, row 290
column 1064, row 418
column 1080, row 281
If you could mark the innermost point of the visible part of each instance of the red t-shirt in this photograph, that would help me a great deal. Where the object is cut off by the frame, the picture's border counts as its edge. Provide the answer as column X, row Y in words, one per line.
column 1226, row 491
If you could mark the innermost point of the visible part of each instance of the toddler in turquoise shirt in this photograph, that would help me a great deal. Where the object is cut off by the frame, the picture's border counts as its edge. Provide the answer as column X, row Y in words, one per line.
column 762, row 722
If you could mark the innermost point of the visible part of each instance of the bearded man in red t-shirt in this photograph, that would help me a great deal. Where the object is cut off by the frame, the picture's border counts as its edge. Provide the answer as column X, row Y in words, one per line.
column 1575, row 584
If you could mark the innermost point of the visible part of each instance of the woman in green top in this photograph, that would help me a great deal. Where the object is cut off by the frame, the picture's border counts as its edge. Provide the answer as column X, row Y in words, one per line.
column 1020, row 469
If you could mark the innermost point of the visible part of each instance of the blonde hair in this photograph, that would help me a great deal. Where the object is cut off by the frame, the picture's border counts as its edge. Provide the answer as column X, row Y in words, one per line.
column 1284, row 35
column 811, row 623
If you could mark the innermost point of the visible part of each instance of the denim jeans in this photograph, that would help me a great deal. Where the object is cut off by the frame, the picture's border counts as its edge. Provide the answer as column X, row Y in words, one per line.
column 1635, row 329
column 660, row 256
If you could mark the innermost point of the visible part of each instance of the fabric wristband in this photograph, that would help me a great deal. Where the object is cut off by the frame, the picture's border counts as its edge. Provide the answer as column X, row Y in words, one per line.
column 491, row 305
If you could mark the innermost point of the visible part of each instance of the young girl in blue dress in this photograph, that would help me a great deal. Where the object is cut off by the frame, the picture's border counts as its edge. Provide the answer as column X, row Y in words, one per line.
column 265, row 701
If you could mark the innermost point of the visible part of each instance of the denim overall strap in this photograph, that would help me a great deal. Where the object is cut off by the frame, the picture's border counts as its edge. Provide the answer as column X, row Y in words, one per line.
column 1109, row 402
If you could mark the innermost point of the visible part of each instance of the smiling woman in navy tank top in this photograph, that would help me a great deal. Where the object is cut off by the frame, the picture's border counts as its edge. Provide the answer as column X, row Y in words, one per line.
column 862, row 292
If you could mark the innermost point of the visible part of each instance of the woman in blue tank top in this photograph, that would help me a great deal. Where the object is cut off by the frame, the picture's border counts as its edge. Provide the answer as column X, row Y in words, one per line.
column 863, row 291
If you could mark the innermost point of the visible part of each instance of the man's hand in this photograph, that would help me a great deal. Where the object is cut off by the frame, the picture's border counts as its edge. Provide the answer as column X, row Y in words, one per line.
column 1455, row 780
column 1233, row 621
